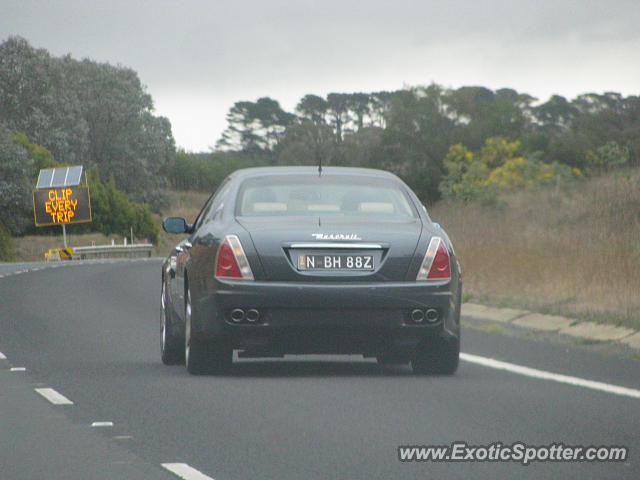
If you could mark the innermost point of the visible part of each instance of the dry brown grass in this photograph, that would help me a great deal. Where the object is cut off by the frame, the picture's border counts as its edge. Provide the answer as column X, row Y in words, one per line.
column 572, row 250
column 32, row 248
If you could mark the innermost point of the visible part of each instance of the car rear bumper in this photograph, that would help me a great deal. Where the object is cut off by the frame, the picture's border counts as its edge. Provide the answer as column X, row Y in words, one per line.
column 319, row 317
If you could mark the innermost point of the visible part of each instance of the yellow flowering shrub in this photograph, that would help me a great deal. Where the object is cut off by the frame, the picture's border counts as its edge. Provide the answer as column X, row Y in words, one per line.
column 496, row 167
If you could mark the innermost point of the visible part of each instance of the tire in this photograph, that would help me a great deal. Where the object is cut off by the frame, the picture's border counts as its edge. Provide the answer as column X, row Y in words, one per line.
column 203, row 357
column 436, row 356
column 171, row 346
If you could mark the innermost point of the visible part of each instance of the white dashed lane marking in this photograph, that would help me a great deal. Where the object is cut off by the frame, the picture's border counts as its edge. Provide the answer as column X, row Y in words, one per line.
column 54, row 397
column 17, row 369
column 102, row 424
column 2, row 357
column 185, row 472
column 555, row 377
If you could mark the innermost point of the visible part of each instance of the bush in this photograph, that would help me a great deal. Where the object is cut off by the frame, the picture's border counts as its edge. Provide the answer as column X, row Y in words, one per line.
column 496, row 168
column 6, row 244
column 204, row 172
column 466, row 176
column 608, row 156
column 113, row 212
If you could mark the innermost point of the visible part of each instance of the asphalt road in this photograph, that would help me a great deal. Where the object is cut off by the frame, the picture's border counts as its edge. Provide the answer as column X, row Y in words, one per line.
column 91, row 332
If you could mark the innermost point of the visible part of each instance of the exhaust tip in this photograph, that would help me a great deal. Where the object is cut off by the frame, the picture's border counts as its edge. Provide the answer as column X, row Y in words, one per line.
column 237, row 315
column 417, row 316
column 432, row 315
column 253, row 315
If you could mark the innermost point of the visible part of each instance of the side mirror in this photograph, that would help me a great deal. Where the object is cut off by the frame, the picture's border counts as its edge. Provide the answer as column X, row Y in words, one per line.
column 436, row 224
column 175, row 225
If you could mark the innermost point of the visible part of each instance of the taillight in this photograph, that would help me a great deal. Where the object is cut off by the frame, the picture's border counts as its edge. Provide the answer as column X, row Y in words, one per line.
column 231, row 262
column 435, row 265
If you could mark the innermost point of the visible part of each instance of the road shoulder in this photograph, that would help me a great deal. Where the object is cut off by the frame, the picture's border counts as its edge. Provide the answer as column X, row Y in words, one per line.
column 611, row 338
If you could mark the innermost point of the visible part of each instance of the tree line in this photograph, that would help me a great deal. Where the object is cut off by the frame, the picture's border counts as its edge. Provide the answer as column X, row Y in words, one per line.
column 418, row 133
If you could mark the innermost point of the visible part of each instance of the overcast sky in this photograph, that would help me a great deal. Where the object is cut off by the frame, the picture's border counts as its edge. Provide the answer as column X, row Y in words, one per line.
column 198, row 57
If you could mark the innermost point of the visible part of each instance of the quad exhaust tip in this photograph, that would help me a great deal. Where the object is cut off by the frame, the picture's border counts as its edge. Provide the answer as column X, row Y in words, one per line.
column 237, row 315
column 253, row 315
column 430, row 316
column 417, row 316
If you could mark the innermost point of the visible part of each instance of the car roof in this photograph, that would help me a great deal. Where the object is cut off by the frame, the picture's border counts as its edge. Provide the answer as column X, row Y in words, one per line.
column 310, row 170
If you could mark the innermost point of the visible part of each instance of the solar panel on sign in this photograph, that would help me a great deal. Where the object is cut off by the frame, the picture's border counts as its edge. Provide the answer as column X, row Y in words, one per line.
column 74, row 176
column 60, row 177
column 44, row 178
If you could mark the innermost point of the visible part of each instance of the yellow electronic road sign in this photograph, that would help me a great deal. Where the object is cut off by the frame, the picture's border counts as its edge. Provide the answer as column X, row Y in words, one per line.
column 60, row 206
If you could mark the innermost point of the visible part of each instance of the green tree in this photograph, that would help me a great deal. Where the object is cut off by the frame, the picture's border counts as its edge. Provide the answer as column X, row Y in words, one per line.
column 360, row 107
column 16, row 169
column 416, row 139
column 479, row 113
column 556, row 114
column 307, row 143
column 338, row 112
column 125, row 139
column 360, row 148
column 255, row 127
column 380, row 105
column 37, row 98
column 313, row 108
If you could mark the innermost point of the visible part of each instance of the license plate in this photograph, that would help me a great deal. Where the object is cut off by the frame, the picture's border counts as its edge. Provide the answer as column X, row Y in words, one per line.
column 335, row 262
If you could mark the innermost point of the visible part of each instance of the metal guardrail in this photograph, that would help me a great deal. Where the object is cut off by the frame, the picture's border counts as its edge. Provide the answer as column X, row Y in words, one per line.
column 111, row 251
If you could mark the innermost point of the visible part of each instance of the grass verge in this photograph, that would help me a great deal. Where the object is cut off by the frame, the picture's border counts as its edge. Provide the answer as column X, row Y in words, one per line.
column 572, row 250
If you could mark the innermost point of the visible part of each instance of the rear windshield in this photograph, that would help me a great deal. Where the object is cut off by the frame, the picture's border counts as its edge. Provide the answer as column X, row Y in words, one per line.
column 297, row 195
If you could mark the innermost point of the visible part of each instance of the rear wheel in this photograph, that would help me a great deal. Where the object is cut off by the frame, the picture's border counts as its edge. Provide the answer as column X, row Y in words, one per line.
column 436, row 356
column 171, row 345
column 203, row 357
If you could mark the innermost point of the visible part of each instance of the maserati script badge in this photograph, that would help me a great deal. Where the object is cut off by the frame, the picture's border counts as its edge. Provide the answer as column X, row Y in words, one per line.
column 336, row 236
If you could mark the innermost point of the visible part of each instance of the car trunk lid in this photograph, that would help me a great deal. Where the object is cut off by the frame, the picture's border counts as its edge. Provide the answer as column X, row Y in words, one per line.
column 333, row 249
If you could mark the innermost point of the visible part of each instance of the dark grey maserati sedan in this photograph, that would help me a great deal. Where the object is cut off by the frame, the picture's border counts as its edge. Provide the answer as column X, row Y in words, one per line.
column 302, row 260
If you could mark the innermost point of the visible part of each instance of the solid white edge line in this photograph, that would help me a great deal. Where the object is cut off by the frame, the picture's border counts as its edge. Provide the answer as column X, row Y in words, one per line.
column 544, row 375
column 185, row 472
column 2, row 356
column 54, row 397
